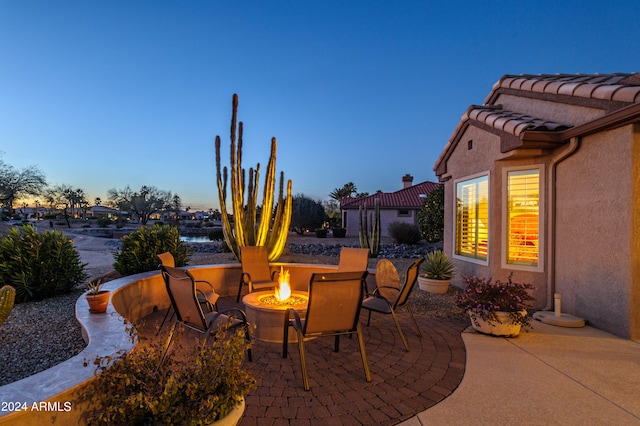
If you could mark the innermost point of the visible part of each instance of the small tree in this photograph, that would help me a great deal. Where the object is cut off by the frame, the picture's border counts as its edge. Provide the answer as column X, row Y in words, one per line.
column 143, row 204
column 431, row 216
column 306, row 213
column 15, row 183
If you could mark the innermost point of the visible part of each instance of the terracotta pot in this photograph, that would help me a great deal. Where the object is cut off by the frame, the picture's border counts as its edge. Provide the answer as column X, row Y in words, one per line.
column 433, row 286
column 98, row 302
column 503, row 327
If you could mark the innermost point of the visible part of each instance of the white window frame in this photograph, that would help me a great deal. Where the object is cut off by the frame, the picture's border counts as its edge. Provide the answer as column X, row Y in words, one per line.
column 455, row 218
column 541, row 215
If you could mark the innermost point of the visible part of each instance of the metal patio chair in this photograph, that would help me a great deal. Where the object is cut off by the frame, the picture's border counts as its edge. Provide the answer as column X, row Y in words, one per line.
column 386, row 299
column 353, row 259
column 184, row 298
column 255, row 270
column 207, row 295
column 333, row 309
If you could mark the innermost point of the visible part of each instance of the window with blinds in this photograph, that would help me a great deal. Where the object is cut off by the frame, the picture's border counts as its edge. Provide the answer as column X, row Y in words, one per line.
column 472, row 218
column 523, row 224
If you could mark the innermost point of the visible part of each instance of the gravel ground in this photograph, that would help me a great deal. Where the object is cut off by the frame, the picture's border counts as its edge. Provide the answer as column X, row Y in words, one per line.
column 39, row 335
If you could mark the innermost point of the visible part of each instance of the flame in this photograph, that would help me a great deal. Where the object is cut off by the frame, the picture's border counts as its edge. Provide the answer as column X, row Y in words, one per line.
column 283, row 292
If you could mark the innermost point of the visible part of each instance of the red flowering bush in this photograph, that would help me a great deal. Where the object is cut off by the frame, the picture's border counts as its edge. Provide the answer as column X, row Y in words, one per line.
column 485, row 298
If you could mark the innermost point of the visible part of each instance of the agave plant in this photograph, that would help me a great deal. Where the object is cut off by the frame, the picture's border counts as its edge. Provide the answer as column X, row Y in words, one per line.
column 437, row 266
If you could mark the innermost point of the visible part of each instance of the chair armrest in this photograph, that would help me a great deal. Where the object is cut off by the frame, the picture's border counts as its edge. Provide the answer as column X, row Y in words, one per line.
column 386, row 287
column 207, row 283
column 273, row 275
column 247, row 276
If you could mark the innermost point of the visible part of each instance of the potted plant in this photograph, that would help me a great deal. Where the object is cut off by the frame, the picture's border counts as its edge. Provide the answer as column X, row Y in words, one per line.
column 436, row 272
column 204, row 385
column 97, row 298
column 339, row 232
column 497, row 308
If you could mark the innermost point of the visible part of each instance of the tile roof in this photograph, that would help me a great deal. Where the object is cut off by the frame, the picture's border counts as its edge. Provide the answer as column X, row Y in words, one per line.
column 611, row 87
column 617, row 87
column 509, row 121
column 407, row 198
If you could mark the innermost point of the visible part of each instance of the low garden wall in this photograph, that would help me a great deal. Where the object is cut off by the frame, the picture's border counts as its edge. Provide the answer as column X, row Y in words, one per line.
column 54, row 395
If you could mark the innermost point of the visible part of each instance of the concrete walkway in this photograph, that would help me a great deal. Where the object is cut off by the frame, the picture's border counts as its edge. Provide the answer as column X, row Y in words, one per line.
column 548, row 376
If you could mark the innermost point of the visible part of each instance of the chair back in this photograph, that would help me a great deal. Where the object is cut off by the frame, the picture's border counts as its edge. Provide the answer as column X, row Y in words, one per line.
column 334, row 302
column 255, row 262
column 353, row 259
column 167, row 259
column 182, row 292
column 409, row 282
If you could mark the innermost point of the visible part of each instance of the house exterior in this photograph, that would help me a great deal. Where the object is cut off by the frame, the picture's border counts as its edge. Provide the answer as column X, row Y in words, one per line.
column 400, row 206
column 543, row 180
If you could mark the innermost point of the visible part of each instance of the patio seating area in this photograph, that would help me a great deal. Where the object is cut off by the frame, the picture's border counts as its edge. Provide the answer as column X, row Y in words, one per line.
column 403, row 383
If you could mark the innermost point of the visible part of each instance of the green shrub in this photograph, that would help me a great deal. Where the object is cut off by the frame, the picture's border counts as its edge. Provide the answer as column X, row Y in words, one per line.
column 404, row 233
column 140, row 248
column 216, row 234
column 103, row 222
column 39, row 266
column 144, row 387
column 431, row 216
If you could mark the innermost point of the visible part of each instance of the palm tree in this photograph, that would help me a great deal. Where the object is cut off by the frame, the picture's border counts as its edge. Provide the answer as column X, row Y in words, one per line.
column 347, row 190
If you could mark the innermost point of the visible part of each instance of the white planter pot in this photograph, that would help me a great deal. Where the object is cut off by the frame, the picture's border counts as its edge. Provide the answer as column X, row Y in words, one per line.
column 433, row 286
column 233, row 417
column 504, row 327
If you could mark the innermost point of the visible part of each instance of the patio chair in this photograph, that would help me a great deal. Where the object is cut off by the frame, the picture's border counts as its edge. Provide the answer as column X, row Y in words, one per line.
column 353, row 259
column 207, row 295
column 386, row 299
column 255, row 270
column 333, row 309
column 184, row 299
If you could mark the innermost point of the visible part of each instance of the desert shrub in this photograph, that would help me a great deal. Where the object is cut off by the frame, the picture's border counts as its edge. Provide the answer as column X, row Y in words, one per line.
column 216, row 234
column 139, row 249
column 145, row 387
column 404, row 233
column 103, row 222
column 431, row 216
column 39, row 266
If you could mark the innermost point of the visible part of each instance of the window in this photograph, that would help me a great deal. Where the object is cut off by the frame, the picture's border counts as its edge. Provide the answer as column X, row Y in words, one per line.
column 523, row 217
column 404, row 213
column 472, row 218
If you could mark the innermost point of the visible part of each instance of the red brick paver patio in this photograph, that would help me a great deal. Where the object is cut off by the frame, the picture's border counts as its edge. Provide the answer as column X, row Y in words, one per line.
column 403, row 383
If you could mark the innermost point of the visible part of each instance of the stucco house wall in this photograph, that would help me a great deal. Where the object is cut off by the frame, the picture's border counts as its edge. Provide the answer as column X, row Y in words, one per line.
column 594, row 229
column 583, row 132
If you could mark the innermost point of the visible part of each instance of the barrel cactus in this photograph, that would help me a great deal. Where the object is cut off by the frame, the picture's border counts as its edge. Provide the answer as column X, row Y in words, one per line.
column 272, row 228
column 7, row 299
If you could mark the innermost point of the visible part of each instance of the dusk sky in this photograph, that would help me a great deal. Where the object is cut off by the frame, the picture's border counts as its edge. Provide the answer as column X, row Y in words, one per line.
column 105, row 94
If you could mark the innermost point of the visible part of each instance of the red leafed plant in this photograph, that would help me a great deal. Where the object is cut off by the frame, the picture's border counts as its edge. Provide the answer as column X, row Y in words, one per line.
column 485, row 298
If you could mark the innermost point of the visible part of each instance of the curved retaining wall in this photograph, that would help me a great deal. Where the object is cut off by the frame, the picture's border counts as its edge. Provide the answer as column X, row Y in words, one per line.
column 53, row 395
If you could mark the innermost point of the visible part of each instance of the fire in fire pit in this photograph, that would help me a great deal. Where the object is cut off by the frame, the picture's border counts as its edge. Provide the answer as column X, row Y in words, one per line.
column 283, row 292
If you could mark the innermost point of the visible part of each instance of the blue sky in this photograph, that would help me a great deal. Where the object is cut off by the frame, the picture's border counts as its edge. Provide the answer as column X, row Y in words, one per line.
column 102, row 95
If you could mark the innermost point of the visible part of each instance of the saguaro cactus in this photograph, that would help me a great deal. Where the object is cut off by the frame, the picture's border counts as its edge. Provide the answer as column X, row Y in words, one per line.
column 7, row 299
column 272, row 229
column 369, row 230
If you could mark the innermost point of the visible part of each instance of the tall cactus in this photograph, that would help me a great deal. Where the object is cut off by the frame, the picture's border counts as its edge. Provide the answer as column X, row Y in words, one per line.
column 7, row 299
column 272, row 229
column 369, row 230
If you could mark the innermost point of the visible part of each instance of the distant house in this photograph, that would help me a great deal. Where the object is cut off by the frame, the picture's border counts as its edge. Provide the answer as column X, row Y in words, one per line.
column 102, row 211
column 544, row 180
column 399, row 206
